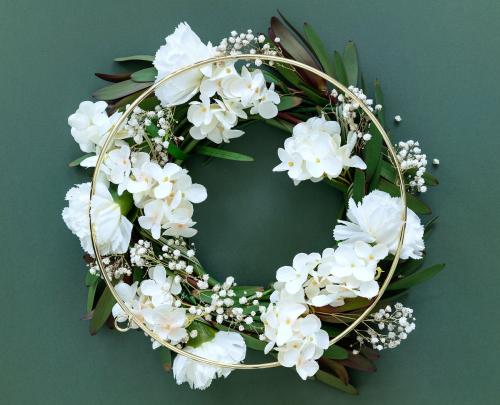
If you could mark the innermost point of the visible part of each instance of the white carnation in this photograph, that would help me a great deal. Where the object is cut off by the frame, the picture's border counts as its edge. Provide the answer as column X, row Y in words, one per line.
column 88, row 124
column 225, row 347
column 112, row 229
column 182, row 48
column 377, row 219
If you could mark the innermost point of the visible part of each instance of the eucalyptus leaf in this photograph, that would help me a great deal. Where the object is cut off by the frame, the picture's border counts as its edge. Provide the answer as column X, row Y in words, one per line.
column 417, row 277
column 351, row 63
column 119, row 90
column 145, row 75
column 102, row 311
column 222, row 154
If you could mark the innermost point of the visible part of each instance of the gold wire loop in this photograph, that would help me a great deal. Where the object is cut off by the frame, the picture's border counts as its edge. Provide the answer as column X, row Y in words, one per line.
column 120, row 328
column 268, row 58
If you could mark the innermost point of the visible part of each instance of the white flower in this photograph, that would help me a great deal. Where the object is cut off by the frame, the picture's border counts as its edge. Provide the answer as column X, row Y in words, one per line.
column 279, row 320
column 314, row 151
column 160, row 287
column 135, row 302
column 225, row 347
column 88, row 124
column 155, row 212
column 117, row 167
column 294, row 277
column 167, row 322
column 112, row 229
column 377, row 219
column 308, row 345
column 182, row 48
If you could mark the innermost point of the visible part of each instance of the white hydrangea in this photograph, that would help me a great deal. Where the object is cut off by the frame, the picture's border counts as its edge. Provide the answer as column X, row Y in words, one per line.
column 314, row 151
column 378, row 219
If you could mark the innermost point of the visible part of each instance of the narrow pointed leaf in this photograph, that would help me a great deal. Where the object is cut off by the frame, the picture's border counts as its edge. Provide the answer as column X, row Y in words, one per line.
column 340, row 73
column 165, row 358
column 113, row 77
column 335, row 382
column 358, row 186
column 336, row 352
column 102, row 311
column 351, row 63
column 317, row 45
column 379, row 99
column 288, row 102
column 417, row 277
column 145, row 75
column 415, row 204
column 119, row 90
column 146, row 58
column 372, row 152
column 222, row 154
column 77, row 162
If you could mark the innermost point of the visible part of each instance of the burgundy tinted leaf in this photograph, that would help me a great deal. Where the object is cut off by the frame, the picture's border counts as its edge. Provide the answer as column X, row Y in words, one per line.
column 360, row 363
column 370, row 354
column 113, row 77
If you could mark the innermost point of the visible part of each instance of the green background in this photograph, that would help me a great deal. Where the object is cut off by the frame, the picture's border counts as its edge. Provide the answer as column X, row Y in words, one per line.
column 439, row 64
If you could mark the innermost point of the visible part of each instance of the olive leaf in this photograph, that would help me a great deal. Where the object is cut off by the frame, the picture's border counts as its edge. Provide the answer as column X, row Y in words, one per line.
column 102, row 311
column 417, row 277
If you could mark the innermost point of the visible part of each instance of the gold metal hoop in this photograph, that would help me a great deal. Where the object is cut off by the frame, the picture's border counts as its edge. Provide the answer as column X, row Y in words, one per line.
column 278, row 59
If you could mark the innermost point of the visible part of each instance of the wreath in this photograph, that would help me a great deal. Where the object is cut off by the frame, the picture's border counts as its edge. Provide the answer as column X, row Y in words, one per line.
column 326, row 312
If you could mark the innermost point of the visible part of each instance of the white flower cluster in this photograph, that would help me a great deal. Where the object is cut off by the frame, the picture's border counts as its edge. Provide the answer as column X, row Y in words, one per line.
column 349, row 107
column 391, row 327
column 247, row 42
column 377, row 220
column 233, row 92
column 410, row 157
column 314, row 151
column 154, row 301
column 115, row 267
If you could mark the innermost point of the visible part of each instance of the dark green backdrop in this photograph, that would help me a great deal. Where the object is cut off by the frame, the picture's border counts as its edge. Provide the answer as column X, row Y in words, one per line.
column 439, row 64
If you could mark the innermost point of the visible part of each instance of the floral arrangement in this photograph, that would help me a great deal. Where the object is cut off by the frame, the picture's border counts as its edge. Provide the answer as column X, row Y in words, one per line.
column 144, row 200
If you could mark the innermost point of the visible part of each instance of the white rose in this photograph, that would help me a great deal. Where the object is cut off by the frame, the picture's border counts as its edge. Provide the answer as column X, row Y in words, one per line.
column 377, row 219
column 113, row 230
column 182, row 48
column 225, row 347
column 88, row 124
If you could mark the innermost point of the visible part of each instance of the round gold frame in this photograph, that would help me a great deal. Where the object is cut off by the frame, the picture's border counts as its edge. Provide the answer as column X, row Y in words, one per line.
column 247, row 57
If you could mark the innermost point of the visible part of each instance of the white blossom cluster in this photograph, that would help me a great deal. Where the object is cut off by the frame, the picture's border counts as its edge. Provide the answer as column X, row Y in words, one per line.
column 349, row 108
column 115, row 267
column 247, row 42
column 315, row 151
column 225, row 94
column 410, row 157
column 390, row 327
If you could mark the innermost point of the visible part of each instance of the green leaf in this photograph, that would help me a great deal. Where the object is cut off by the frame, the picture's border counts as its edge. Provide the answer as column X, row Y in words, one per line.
column 340, row 73
column 222, row 154
column 77, row 162
column 352, row 304
column 336, row 352
column 102, row 311
column 372, row 152
column 358, row 186
column 288, row 102
column 408, row 267
column 416, row 205
column 165, row 358
column 417, row 277
column 176, row 152
column 335, row 382
column 298, row 51
column 113, row 77
column 119, row 90
column 146, row 58
column 91, row 282
column 351, row 63
column 125, row 201
column 145, row 75
column 379, row 99
column 205, row 334
column 280, row 124
column 337, row 184
column 318, row 47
